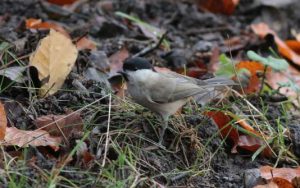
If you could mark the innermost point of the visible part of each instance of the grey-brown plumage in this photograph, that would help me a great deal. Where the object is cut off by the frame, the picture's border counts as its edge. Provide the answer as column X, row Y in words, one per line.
column 165, row 93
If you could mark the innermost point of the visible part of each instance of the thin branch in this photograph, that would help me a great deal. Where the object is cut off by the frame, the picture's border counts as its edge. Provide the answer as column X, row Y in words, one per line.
column 150, row 48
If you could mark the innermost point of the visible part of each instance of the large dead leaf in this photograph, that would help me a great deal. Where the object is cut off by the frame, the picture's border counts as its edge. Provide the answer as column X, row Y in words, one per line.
column 250, row 142
column 24, row 138
column 61, row 125
column 3, row 122
column 54, row 59
column 289, row 174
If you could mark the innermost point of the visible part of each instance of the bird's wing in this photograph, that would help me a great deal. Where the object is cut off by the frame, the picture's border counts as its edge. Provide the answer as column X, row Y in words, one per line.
column 168, row 88
column 183, row 77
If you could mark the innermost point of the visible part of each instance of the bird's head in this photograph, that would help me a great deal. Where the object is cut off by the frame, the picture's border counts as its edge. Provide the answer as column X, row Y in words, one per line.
column 135, row 64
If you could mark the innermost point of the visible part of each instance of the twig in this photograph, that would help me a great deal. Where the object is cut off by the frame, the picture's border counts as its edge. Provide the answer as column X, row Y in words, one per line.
column 14, row 60
column 62, row 133
column 263, row 79
column 107, row 133
column 150, row 48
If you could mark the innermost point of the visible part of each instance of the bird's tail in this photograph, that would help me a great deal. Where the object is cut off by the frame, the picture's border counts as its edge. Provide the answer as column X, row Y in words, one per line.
column 215, row 88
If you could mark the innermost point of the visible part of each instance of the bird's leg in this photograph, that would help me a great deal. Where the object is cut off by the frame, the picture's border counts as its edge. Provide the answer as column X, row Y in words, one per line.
column 162, row 132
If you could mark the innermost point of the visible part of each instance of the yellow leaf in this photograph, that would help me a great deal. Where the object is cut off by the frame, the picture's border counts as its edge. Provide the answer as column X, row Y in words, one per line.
column 54, row 59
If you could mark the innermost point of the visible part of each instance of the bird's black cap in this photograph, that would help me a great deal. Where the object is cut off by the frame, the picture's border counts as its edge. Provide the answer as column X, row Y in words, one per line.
column 137, row 63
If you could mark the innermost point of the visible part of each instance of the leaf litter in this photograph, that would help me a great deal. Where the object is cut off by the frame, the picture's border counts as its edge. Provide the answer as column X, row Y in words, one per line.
column 187, row 24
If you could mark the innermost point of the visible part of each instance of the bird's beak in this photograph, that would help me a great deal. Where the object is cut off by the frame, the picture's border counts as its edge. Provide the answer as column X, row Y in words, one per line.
column 124, row 74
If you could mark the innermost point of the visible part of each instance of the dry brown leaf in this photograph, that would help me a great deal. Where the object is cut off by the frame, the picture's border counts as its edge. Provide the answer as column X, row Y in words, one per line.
column 85, row 43
column 24, row 138
column 54, row 59
column 61, row 125
column 268, row 172
column 117, row 59
column 3, row 122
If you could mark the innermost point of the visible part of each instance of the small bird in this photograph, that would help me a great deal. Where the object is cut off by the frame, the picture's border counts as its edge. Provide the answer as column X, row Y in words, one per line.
column 164, row 93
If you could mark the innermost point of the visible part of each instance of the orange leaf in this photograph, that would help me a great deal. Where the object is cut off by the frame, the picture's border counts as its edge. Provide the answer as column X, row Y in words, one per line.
column 24, row 138
column 85, row 43
column 252, row 144
column 276, row 183
column 223, row 120
column 62, row 2
column 285, row 173
column 262, row 29
column 282, row 183
column 294, row 45
column 271, row 184
column 254, row 68
column 56, row 125
column 219, row 6
column 33, row 23
column 3, row 122
column 247, row 142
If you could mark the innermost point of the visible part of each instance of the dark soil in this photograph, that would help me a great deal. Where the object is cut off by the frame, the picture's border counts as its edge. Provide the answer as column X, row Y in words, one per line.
column 192, row 33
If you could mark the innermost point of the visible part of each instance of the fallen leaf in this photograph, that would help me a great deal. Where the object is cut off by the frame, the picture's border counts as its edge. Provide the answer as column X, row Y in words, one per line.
column 62, row 2
column 296, row 182
column 245, row 141
column 33, row 23
column 61, row 125
column 116, row 64
column 288, row 81
column 271, row 184
column 116, row 60
column 54, row 59
column 268, row 172
column 85, row 43
column 3, row 122
column 294, row 45
column 219, row 6
column 24, row 138
column 262, row 29
column 254, row 68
